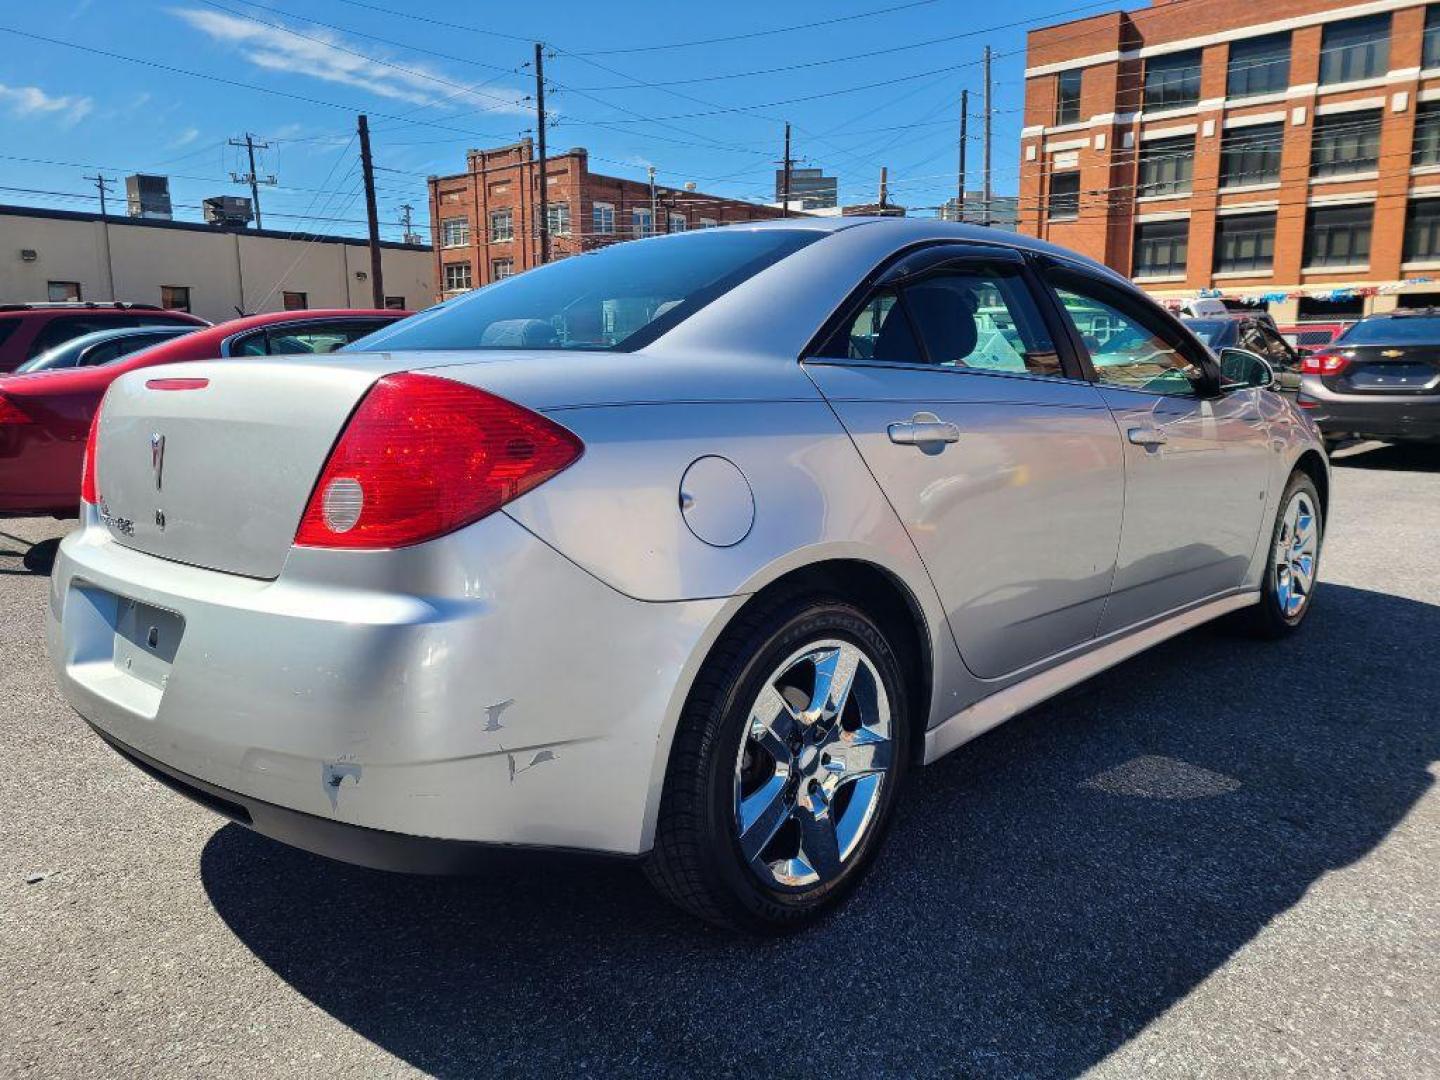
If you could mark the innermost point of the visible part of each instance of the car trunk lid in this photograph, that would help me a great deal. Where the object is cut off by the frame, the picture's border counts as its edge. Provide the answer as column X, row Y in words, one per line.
column 1386, row 369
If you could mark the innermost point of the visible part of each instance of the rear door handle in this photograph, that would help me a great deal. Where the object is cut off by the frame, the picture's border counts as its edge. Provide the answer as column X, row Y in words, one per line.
column 923, row 429
column 1147, row 436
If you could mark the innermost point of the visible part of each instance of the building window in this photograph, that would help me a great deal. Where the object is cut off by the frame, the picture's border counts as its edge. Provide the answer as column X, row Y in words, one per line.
column 1245, row 242
column 557, row 218
column 677, row 223
column 1338, row 235
column 1258, row 66
column 1161, row 248
column 603, row 219
column 500, row 269
column 1067, row 97
column 457, row 276
column 1166, row 165
column 1064, row 196
column 394, row 303
column 1430, row 48
column 1251, row 155
column 502, row 226
column 454, row 232
column 1172, row 82
column 59, row 292
column 1345, row 143
column 175, row 297
column 1355, row 49
column 641, row 223
column 296, row 301
column 1422, row 230
column 1427, row 134
column 709, row 223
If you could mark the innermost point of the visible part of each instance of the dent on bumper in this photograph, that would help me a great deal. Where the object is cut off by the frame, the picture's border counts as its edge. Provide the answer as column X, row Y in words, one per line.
column 481, row 688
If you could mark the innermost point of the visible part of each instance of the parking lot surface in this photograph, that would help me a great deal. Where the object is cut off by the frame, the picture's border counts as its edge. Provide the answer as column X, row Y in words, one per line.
column 1219, row 859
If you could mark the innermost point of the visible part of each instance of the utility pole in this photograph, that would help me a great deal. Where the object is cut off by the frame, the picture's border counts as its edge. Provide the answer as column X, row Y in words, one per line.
column 407, row 223
column 540, row 129
column 884, row 188
column 103, row 184
column 654, row 205
column 964, row 142
column 251, row 177
column 985, row 194
column 785, row 183
column 367, row 166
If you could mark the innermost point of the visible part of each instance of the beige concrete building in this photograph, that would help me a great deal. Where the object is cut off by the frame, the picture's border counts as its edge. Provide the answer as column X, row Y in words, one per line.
column 206, row 269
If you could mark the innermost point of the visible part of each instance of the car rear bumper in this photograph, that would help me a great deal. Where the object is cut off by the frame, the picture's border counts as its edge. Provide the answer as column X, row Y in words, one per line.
column 478, row 690
column 1379, row 417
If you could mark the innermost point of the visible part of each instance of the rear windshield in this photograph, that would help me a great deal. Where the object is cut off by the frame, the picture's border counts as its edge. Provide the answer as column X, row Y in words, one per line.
column 1406, row 330
column 618, row 299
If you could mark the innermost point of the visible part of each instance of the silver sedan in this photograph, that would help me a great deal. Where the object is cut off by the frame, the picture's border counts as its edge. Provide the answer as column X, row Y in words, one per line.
column 685, row 550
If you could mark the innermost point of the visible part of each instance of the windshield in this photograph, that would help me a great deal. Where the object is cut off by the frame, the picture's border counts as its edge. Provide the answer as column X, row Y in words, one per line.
column 620, row 298
column 1212, row 332
column 1405, row 330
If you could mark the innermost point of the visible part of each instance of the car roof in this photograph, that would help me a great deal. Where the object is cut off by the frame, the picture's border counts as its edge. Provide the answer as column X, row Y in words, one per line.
column 270, row 318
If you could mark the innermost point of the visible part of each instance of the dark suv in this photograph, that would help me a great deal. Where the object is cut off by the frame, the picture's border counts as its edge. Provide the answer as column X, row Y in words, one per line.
column 1380, row 379
column 27, row 330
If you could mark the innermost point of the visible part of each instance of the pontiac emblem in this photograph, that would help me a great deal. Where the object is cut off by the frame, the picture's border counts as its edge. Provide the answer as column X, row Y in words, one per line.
column 157, row 457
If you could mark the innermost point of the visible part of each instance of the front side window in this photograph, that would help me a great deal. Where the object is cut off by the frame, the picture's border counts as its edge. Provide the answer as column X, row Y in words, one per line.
column 557, row 218
column 1346, row 143
column 1064, row 196
column 603, row 218
column 295, row 301
column 1067, row 97
column 1245, row 242
column 1161, row 248
column 59, row 292
column 175, row 297
column 1172, row 82
column 1338, row 235
column 1129, row 346
column 502, row 226
column 454, row 232
column 1355, row 49
column 1422, row 230
column 1258, row 66
column 457, row 276
column 618, row 298
column 1251, row 155
column 1167, row 165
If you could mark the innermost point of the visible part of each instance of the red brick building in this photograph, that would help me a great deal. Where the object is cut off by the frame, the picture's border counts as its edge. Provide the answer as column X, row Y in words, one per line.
column 485, row 220
column 1288, row 151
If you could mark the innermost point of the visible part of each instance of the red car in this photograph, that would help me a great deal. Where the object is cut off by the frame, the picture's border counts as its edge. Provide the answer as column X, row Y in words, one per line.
column 27, row 330
column 45, row 416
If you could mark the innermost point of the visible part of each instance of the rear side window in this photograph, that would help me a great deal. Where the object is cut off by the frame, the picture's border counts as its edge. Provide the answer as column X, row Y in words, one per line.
column 880, row 330
column 620, row 298
column 305, row 338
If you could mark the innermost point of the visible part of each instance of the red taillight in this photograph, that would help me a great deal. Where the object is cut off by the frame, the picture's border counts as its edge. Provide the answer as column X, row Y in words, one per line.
column 1324, row 363
column 10, row 413
column 424, row 456
column 89, row 486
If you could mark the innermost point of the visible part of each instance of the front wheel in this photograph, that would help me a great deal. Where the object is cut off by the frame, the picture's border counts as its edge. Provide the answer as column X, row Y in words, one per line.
column 1292, row 570
column 785, row 769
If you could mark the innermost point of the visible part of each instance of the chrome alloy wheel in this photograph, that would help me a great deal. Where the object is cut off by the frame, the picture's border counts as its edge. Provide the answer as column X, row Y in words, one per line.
column 1296, row 549
column 812, row 765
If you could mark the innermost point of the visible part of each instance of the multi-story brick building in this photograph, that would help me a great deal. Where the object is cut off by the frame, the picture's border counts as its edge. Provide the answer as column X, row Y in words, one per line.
column 1289, row 153
column 486, row 219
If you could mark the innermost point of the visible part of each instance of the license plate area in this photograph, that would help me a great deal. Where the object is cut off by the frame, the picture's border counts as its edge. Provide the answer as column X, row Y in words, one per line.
column 146, row 639
column 1394, row 378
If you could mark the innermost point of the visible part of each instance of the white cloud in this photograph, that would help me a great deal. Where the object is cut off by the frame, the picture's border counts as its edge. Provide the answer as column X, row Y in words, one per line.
column 321, row 55
column 32, row 101
column 185, row 138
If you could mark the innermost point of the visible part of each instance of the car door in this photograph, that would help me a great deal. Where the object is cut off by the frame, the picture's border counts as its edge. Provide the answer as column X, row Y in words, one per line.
column 1001, row 460
column 1197, row 462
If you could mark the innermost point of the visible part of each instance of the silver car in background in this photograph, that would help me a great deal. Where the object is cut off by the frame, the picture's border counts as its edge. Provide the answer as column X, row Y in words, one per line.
column 685, row 550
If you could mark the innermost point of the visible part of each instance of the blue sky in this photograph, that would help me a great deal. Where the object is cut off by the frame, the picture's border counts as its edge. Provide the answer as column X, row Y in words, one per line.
column 435, row 78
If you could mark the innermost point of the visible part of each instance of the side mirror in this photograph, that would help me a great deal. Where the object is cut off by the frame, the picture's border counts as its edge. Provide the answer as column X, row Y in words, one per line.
column 1243, row 370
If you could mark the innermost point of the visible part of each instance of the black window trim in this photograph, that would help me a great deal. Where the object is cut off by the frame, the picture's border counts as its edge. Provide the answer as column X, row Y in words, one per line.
column 935, row 256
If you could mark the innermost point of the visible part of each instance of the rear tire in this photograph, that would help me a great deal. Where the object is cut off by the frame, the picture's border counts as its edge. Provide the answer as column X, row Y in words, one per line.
column 1293, row 566
column 775, row 802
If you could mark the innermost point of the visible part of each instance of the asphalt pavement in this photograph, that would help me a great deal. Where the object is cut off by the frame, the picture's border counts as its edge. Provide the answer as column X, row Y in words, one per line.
column 1220, row 859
